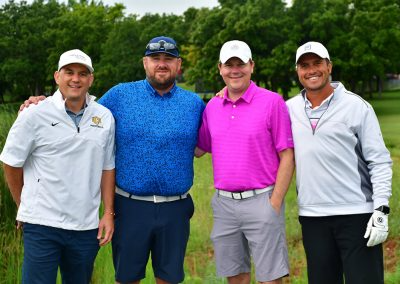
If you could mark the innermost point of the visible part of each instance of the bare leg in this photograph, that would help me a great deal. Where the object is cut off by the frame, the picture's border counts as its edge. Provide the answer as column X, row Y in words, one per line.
column 276, row 281
column 242, row 278
column 160, row 281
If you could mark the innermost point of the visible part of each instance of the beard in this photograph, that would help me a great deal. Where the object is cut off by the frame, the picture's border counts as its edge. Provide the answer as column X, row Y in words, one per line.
column 160, row 84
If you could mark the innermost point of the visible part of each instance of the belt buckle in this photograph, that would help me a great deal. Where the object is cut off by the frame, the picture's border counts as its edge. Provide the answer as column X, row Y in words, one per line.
column 239, row 194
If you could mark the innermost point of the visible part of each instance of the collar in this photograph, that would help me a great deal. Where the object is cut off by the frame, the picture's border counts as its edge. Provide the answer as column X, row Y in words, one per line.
column 78, row 113
column 153, row 91
column 59, row 100
column 323, row 104
column 338, row 89
column 247, row 95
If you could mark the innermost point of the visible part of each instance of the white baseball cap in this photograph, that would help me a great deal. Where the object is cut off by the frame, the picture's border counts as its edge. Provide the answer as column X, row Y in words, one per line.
column 235, row 48
column 312, row 47
column 75, row 56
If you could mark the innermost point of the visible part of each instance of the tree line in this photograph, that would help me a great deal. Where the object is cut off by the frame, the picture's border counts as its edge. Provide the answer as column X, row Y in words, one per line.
column 362, row 36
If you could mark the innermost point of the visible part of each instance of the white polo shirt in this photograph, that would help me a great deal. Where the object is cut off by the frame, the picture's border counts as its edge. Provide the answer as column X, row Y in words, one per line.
column 62, row 164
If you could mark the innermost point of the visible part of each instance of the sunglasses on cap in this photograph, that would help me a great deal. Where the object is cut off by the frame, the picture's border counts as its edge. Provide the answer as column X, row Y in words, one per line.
column 162, row 44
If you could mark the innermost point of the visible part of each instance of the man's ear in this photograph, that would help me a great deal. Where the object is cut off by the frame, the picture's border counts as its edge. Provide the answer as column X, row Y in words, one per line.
column 56, row 76
column 179, row 63
column 144, row 62
column 91, row 79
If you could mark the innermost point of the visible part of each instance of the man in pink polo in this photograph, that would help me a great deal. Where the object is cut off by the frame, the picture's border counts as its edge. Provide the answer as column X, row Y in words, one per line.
column 248, row 133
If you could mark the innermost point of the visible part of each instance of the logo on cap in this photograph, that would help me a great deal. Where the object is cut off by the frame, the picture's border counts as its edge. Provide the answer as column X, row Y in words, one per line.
column 235, row 48
column 78, row 57
column 75, row 56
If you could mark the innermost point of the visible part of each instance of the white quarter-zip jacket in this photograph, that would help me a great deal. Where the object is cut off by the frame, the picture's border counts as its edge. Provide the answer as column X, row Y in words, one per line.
column 62, row 163
column 343, row 166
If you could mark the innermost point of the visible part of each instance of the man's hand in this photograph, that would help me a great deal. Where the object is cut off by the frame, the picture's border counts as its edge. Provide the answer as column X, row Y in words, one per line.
column 18, row 225
column 106, row 229
column 377, row 228
column 276, row 203
column 31, row 100
column 198, row 152
column 221, row 93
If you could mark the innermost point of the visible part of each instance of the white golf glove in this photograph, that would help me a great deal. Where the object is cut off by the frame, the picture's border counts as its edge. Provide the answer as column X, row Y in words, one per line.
column 377, row 228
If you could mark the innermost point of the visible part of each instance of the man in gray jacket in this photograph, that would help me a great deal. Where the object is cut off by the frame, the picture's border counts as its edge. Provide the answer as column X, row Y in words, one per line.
column 343, row 175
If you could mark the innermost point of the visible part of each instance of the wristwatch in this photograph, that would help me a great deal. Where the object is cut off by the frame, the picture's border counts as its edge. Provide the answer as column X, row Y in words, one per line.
column 384, row 209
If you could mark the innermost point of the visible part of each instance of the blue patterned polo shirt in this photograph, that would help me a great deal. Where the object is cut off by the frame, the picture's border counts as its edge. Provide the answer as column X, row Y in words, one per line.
column 155, row 137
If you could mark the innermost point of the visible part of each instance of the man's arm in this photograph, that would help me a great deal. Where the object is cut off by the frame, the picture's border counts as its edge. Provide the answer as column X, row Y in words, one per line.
column 106, row 225
column 198, row 152
column 32, row 100
column 380, row 170
column 284, row 176
column 15, row 181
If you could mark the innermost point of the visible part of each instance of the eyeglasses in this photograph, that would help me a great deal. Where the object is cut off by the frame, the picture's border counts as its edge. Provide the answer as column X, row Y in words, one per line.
column 162, row 44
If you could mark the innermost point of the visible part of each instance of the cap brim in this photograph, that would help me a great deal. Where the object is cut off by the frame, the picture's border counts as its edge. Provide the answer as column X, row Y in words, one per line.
column 91, row 70
column 245, row 59
column 147, row 53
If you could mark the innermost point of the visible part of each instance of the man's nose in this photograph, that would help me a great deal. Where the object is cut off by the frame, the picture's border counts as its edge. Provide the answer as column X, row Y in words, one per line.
column 75, row 77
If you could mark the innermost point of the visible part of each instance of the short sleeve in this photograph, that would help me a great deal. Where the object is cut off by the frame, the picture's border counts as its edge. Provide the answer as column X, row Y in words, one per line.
column 109, row 157
column 20, row 141
column 280, row 126
column 204, row 139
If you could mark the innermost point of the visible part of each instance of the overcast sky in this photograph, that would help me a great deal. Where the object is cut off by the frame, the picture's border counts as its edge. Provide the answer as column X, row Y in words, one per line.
column 142, row 7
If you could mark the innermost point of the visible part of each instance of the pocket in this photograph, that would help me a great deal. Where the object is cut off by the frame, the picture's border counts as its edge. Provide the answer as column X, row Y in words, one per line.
column 270, row 208
column 213, row 200
column 29, row 198
column 190, row 206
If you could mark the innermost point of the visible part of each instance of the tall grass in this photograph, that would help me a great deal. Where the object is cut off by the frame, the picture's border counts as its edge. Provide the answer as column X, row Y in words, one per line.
column 199, row 263
column 10, row 240
column 8, row 114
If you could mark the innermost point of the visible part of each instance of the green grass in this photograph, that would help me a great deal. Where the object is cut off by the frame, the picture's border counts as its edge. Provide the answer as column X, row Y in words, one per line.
column 388, row 112
column 199, row 263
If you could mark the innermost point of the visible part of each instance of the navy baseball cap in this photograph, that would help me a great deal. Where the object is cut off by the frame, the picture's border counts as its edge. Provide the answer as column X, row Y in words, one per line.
column 162, row 44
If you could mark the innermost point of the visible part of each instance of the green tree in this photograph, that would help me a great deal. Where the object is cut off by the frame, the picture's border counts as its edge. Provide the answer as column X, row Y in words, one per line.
column 362, row 37
column 84, row 26
column 373, row 43
column 260, row 23
column 121, row 57
column 203, row 47
column 122, row 52
column 25, row 50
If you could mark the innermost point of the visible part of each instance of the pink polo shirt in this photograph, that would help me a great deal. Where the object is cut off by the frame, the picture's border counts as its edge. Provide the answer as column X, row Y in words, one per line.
column 245, row 138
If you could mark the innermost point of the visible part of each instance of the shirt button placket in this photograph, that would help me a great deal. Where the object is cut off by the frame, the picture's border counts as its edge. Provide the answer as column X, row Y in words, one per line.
column 233, row 111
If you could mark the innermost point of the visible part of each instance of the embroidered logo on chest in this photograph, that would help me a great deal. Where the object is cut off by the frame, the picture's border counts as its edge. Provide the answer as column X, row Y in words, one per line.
column 97, row 122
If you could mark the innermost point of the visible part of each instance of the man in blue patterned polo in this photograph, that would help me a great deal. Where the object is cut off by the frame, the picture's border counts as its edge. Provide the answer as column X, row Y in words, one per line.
column 156, row 134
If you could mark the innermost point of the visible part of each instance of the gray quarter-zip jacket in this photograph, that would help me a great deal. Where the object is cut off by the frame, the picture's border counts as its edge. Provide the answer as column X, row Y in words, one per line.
column 343, row 167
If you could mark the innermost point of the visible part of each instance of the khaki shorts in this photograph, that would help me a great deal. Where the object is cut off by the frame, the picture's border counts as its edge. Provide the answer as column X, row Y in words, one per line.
column 249, row 227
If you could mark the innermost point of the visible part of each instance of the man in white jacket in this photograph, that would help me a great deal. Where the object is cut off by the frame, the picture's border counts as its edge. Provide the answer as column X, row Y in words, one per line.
column 58, row 162
column 343, row 175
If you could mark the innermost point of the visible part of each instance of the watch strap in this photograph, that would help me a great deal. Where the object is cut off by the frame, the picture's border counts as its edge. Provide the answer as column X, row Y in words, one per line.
column 384, row 209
